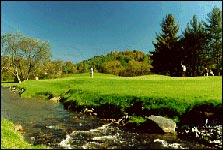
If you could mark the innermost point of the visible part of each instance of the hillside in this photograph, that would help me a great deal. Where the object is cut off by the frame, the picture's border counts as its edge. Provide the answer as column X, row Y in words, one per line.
column 127, row 63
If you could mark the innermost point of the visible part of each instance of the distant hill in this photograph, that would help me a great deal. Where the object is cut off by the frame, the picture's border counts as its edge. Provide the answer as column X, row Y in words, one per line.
column 126, row 63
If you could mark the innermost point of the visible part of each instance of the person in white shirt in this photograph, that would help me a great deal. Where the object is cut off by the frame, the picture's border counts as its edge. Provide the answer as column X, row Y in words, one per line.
column 206, row 71
column 184, row 70
column 92, row 72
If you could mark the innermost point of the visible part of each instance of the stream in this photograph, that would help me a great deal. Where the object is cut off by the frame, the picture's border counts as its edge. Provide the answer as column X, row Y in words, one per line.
column 46, row 122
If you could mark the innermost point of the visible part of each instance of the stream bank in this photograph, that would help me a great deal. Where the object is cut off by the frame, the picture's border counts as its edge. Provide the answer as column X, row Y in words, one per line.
column 88, row 132
column 202, row 123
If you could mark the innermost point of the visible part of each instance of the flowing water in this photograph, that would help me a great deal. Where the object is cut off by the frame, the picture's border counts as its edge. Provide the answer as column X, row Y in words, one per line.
column 45, row 122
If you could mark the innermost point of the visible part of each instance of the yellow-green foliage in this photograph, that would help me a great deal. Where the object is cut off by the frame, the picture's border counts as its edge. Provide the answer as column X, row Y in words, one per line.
column 11, row 139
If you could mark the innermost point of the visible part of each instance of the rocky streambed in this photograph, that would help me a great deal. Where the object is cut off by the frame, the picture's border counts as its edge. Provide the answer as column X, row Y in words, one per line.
column 208, row 133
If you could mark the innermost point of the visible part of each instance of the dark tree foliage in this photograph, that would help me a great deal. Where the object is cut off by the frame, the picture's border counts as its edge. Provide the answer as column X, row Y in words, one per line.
column 166, row 57
column 199, row 46
column 193, row 46
column 214, row 30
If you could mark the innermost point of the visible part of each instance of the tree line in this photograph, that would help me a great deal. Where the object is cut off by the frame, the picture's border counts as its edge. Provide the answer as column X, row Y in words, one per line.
column 126, row 63
column 199, row 46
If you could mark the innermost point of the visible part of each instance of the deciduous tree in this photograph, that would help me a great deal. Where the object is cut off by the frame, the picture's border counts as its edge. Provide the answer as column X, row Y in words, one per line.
column 24, row 54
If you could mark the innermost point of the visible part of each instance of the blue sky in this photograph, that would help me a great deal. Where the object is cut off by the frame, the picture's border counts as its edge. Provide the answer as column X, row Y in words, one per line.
column 79, row 30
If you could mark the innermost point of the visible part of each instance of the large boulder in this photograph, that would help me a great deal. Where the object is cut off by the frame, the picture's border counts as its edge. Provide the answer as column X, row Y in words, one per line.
column 153, row 125
column 167, row 125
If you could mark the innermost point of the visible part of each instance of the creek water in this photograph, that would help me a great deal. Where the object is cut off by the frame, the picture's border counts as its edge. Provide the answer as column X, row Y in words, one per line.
column 48, row 123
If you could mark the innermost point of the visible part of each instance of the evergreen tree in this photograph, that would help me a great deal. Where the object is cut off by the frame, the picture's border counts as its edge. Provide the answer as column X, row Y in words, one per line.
column 214, row 31
column 193, row 44
column 164, row 60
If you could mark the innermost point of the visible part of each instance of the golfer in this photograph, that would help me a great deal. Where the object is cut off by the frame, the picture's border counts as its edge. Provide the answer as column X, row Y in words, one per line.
column 91, row 72
column 184, row 70
column 206, row 71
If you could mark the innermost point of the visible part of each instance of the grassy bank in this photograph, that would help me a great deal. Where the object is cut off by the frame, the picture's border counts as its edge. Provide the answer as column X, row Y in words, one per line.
column 11, row 139
column 164, row 95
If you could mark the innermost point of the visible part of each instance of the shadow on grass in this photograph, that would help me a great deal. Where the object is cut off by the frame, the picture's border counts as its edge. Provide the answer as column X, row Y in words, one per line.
column 47, row 95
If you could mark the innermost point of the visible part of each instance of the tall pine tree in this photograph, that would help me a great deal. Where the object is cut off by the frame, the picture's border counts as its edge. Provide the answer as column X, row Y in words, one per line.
column 165, row 59
column 214, row 31
column 193, row 44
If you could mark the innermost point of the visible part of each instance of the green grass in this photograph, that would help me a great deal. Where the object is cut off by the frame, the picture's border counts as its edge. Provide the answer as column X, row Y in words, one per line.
column 156, row 91
column 10, row 139
column 189, row 89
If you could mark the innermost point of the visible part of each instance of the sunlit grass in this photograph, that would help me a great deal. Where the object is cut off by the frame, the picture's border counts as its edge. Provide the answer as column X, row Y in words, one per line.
column 174, row 92
column 181, row 88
